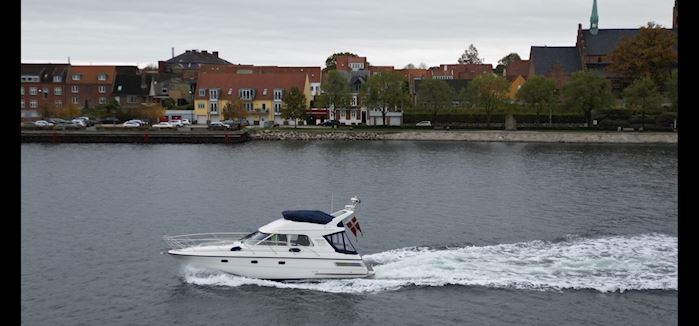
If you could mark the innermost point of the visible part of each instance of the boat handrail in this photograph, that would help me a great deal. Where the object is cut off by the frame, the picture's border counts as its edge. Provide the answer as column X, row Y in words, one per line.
column 198, row 239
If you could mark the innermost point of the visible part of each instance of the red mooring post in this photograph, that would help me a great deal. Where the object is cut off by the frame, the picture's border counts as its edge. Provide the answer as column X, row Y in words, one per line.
column 53, row 137
column 145, row 137
column 225, row 138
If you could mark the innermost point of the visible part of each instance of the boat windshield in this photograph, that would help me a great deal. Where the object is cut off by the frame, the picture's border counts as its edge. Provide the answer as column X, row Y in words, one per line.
column 255, row 237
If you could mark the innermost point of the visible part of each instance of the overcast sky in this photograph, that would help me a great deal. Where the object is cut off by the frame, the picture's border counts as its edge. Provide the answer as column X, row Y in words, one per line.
column 306, row 32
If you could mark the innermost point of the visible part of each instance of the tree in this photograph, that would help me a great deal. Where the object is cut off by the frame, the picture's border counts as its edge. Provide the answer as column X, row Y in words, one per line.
column 652, row 52
column 385, row 92
column 294, row 105
column 470, row 56
column 505, row 61
column 233, row 110
column 330, row 62
column 642, row 96
column 152, row 112
column 435, row 94
column 422, row 65
column 586, row 92
column 538, row 92
column 672, row 89
column 488, row 91
column 336, row 91
column 409, row 66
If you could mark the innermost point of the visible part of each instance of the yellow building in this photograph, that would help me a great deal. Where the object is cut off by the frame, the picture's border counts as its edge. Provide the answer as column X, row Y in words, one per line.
column 515, row 86
column 261, row 94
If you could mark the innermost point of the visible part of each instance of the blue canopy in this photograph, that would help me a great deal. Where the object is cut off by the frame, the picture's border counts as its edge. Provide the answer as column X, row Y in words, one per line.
column 317, row 217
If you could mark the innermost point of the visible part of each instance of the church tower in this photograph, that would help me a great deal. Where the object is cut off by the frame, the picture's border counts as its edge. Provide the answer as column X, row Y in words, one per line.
column 594, row 19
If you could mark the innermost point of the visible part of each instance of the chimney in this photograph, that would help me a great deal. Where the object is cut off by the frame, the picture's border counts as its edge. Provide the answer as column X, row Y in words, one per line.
column 173, row 51
column 187, row 51
column 204, row 51
column 215, row 53
column 579, row 26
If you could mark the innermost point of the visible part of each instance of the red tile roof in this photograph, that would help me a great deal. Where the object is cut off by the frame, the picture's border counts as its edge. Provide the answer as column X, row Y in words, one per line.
column 517, row 68
column 314, row 73
column 260, row 82
column 89, row 74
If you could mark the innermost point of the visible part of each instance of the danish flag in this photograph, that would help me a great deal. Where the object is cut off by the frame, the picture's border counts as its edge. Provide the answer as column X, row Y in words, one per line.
column 353, row 225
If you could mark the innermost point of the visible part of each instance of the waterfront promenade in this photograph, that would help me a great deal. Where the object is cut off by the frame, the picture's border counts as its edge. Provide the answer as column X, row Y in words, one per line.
column 186, row 135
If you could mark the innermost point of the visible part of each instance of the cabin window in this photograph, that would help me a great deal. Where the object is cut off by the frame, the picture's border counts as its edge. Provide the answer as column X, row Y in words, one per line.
column 341, row 243
column 255, row 237
column 299, row 240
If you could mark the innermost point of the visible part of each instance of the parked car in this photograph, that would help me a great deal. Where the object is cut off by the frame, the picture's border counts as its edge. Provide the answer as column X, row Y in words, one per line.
column 57, row 121
column 233, row 123
column 140, row 122
column 131, row 124
column 43, row 123
column 163, row 125
column 186, row 122
column 219, row 126
column 330, row 123
column 424, row 124
column 88, row 122
column 79, row 122
column 109, row 120
column 177, row 123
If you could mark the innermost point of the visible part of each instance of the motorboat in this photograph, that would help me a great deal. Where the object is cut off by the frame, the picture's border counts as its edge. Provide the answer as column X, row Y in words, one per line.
column 303, row 244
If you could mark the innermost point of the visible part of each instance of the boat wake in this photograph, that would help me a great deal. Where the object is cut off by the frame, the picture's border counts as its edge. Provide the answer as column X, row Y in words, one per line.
column 608, row 264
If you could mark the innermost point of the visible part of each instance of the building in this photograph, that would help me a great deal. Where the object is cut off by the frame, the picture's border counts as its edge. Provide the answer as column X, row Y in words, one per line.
column 131, row 86
column 261, row 94
column 90, row 86
column 516, row 73
column 42, row 86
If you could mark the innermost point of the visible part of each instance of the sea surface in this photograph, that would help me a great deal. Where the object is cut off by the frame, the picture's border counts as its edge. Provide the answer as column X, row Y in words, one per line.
column 458, row 233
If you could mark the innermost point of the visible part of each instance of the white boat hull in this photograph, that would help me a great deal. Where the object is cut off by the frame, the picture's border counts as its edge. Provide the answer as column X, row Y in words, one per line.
column 277, row 268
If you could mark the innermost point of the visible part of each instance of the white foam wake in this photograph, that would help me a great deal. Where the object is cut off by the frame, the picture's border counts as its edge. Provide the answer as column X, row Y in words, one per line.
column 619, row 263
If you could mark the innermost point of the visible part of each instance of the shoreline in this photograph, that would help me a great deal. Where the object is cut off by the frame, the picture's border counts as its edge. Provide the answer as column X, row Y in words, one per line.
column 219, row 137
column 594, row 137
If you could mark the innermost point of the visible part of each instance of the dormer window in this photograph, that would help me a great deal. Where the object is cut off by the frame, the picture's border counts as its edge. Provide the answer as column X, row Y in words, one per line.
column 246, row 93
column 202, row 92
column 77, row 76
column 278, row 93
column 213, row 94
column 102, row 77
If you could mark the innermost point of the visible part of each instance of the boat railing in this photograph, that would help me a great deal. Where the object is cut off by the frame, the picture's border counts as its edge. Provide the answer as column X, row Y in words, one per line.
column 199, row 239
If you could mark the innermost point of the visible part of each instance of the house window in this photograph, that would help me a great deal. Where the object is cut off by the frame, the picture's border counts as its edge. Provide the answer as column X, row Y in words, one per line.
column 213, row 94
column 58, row 90
column 57, row 79
column 264, row 107
column 76, row 100
column 58, row 103
column 21, row 91
column 22, row 104
column 247, row 106
column 213, row 107
column 164, row 90
column 32, row 90
column 103, row 100
column 246, row 94
column 278, row 94
column 277, row 107
column 76, row 77
column 201, row 105
column 202, row 92
column 102, row 77
column 33, row 104
column 354, row 101
column 100, row 89
column 131, row 99
column 74, row 88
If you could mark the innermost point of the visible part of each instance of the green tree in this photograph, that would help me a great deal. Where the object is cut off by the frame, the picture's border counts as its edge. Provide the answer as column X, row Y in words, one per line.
column 152, row 112
column 489, row 92
column 539, row 92
column 385, row 92
column 335, row 90
column 642, row 96
column 672, row 89
column 470, row 56
column 330, row 62
column 294, row 105
column 409, row 66
column 586, row 92
column 233, row 110
column 435, row 94
column 505, row 61
column 652, row 52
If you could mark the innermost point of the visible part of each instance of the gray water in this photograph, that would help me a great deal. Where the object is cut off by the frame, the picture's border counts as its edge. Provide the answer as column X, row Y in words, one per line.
column 459, row 233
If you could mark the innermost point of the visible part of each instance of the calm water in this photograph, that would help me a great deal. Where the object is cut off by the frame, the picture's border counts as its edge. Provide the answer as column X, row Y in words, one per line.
column 460, row 233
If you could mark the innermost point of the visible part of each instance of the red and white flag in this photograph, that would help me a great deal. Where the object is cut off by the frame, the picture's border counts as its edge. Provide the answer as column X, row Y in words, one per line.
column 353, row 225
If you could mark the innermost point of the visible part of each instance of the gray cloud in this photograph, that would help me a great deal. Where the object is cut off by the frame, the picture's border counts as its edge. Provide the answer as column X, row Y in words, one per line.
column 306, row 32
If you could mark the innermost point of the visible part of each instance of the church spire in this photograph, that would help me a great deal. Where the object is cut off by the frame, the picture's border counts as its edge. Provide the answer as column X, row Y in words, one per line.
column 594, row 19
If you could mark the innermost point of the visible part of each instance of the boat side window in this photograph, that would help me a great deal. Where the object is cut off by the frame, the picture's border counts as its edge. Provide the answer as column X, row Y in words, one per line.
column 340, row 242
column 275, row 240
column 299, row 240
column 255, row 237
